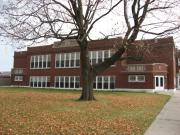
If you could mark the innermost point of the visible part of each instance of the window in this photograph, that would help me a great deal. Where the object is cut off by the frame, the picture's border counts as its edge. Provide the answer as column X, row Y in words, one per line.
column 67, row 60
column 18, row 71
column 136, row 68
column 32, row 61
column 112, row 82
column 72, row 60
column 67, row 81
column 58, row 60
column 99, row 82
column 100, row 56
column 106, row 54
column 77, row 59
column 40, row 61
column 77, row 82
column 178, row 61
column 40, row 81
column 93, row 57
column 136, row 78
column 18, row 78
column 104, row 82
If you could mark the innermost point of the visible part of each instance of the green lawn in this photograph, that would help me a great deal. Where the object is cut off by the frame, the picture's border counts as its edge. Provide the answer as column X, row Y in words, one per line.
column 55, row 112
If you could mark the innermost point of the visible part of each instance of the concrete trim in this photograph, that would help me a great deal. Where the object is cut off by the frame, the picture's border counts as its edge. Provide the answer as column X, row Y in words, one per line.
column 116, row 89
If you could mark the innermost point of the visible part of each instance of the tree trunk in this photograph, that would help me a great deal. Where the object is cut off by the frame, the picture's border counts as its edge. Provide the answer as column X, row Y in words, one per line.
column 87, row 76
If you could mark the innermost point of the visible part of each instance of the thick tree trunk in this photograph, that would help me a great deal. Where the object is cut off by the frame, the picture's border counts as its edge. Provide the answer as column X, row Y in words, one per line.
column 87, row 76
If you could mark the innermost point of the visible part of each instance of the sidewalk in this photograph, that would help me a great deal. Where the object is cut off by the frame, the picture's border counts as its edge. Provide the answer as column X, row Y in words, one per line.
column 168, row 121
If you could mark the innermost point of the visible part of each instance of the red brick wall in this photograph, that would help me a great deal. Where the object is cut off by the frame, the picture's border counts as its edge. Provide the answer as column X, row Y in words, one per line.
column 163, row 52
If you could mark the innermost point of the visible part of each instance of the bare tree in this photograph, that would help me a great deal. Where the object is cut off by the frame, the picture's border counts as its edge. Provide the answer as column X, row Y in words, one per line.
column 36, row 20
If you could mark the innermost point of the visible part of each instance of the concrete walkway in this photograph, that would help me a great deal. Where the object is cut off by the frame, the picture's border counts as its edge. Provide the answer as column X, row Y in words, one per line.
column 168, row 120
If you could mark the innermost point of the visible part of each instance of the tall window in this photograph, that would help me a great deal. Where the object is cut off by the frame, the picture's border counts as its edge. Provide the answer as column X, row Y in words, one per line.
column 40, row 81
column 136, row 78
column 40, row 61
column 100, row 56
column 104, row 82
column 67, row 81
column 72, row 60
column 66, row 60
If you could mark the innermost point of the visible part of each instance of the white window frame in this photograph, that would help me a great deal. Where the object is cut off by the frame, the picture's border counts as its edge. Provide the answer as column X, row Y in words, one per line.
column 136, row 78
column 69, row 60
column 64, row 81
column 18, row 78
column 102, row 81
column 44, row 58
column 38, row 79
column 178, row 61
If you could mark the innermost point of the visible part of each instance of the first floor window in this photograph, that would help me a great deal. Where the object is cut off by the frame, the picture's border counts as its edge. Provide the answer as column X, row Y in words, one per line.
column 112, row 82
column 178, row 61
column 77, row 82
column 99, row 82
column 136, row 78
column 67, row 81
column 40, row 81
column 18, row 78
column 104, row 82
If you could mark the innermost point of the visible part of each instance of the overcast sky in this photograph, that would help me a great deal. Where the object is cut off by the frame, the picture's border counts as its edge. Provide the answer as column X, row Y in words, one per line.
column 6, row 53
column 7, row 50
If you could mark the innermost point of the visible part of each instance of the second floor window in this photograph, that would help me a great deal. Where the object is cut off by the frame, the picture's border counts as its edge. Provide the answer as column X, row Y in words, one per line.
column 40, row 61
column 18, row 71
column 65, row 60
column 100, row 56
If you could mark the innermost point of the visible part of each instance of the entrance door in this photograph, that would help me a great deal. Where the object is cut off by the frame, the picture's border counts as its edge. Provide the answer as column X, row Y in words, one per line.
column 159, row 82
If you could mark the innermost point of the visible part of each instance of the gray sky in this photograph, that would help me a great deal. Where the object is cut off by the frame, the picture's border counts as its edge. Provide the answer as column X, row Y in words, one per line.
column 7, row 50
column 6, row 53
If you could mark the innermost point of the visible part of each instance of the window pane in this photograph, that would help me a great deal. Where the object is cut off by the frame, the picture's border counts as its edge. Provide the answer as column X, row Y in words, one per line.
column 72, row 82
column 161, row 81
column 106, row 54
column 48, row 81
column 157, row 81
column 140, row 78
column 66, row 82
column 77, row 59
column 67, row 59
column 40, row 61
column 77, row 82
column 93, row 57
column 112, row 82
column 99, row 83
column 61, row 81
column 132, row 78
column 105, row 82
column 72, row 60
column 57, row 81
column 100, row 53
